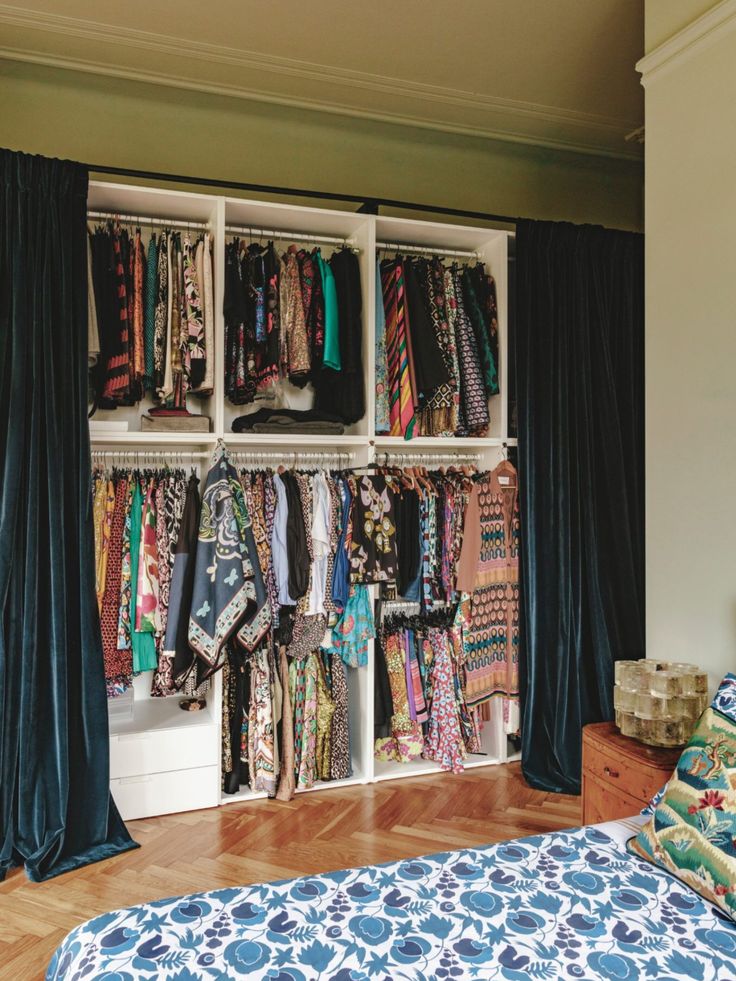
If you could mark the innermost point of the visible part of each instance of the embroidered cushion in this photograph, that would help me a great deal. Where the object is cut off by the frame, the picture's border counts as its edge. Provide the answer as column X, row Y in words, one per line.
column 692, row 833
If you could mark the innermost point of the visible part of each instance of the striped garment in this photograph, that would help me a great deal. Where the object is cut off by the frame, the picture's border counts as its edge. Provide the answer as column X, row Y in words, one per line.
column 401, row 399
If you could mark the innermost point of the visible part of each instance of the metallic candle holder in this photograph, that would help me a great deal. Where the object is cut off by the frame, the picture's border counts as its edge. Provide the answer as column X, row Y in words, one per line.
column 659, row 702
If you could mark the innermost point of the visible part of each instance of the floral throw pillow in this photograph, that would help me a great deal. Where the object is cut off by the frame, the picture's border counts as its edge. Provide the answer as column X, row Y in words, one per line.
column 692, row 833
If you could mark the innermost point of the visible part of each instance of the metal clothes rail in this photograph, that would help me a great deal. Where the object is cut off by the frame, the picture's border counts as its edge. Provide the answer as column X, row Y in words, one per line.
column 181, row 224
column 286, row 236
column 428, row 249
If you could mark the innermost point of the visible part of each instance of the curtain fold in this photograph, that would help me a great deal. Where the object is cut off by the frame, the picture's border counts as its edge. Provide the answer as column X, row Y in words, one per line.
column 56, row 812
column 580, row 390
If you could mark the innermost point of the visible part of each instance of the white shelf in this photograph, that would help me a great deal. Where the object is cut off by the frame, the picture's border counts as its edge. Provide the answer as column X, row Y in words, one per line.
column 249, row 795
column 389, row 770
column 242, row 795
column 333, row 784
column 148, row 439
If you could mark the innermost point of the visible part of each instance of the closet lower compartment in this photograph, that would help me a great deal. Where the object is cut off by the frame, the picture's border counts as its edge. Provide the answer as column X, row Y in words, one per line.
column 169, row 792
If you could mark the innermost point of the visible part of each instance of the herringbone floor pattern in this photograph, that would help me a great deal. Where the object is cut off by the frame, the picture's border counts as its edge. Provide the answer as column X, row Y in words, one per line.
column 266, row 840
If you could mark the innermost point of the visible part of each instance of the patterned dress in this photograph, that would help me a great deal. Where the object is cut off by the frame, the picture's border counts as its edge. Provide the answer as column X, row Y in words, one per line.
column 489, row 571
column 444, row 741
column 406, row 741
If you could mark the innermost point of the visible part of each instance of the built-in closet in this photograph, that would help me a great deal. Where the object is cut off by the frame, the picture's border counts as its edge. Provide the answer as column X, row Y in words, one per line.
column 163, row 759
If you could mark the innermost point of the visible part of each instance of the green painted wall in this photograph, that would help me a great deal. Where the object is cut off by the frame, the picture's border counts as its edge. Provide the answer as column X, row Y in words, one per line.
column 123, row 123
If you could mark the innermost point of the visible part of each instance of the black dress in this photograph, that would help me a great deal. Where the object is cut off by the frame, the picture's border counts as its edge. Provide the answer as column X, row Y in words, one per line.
column 342, row 393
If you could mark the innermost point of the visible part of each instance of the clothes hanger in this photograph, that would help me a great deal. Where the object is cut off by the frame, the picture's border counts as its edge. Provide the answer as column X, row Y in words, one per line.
column 506, row 469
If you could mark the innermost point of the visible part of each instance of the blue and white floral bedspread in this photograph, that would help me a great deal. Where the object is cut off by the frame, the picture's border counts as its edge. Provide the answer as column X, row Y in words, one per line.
column 566, row 905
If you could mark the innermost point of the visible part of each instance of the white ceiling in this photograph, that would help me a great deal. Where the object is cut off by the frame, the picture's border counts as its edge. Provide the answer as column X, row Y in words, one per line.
column 552, row 72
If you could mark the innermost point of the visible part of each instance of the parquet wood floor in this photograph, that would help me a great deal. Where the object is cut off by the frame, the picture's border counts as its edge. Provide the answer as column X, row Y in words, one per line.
column 266, row 840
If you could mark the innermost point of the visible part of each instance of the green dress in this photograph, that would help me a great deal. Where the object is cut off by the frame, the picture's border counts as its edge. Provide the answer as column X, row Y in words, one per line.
column 144, row 645
column 331, row 353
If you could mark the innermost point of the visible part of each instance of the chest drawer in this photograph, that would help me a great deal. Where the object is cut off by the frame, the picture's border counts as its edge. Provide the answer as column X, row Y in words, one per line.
column 634, row 777
column 606, row 802
column 134, row 754
column 166, row 793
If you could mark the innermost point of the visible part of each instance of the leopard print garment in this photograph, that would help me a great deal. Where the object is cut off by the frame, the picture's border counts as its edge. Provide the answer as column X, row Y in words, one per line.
column 340, row 768
column 170, row 497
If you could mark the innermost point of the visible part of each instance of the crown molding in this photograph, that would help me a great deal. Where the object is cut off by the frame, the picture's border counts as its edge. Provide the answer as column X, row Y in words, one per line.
column 691, row 40
column 417, row 104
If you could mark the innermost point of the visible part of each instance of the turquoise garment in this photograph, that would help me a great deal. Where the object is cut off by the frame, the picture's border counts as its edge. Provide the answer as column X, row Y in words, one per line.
column 144, row 646
column 383, row 423
column 354, row 628
column 331, row 354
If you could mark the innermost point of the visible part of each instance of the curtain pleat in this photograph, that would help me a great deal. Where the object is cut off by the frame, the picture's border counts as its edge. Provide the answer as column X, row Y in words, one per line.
column 580, row 393
column 56, row 812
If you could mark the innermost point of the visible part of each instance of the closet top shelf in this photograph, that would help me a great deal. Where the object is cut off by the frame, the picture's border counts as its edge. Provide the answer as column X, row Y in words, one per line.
column 141, row 440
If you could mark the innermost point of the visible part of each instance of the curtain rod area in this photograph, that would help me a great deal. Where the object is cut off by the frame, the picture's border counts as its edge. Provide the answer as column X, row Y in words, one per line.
column 368, row 204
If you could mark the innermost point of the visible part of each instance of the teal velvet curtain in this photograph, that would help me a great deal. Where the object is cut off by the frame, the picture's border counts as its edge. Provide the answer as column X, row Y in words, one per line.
column 580, row 393
column 56, row 812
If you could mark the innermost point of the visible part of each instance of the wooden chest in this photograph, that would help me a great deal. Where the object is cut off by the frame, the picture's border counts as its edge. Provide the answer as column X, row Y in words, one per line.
column 620, row 775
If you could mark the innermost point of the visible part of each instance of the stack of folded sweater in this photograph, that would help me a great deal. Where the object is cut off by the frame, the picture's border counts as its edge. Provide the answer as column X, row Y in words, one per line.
column 302, row 421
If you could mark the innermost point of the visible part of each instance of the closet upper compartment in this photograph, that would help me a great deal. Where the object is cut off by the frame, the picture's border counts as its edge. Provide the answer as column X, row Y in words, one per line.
column 152, row 312
column 440, row 333
column 332, row 232
column 297, row 357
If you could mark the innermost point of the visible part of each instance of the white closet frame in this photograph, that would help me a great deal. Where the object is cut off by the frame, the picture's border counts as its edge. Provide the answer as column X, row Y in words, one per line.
column 162, row 759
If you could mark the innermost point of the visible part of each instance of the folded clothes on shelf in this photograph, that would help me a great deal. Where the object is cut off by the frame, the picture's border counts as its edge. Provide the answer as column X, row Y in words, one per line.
column 174, row 423
column 278, row 424
column 289, row 420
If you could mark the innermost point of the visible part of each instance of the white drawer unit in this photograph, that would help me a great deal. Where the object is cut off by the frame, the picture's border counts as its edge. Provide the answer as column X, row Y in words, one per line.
column 157, row 751
column 163, row 759
column 167, row 793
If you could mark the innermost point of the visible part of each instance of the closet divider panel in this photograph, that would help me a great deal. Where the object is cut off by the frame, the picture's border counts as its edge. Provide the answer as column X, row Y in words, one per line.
column 461, row 244
column 495, row 746
column 155, row 210
column 162, row 759
column 284, row 224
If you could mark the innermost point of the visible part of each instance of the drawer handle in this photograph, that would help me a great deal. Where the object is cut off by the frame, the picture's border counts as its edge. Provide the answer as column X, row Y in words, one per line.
column 611, row 773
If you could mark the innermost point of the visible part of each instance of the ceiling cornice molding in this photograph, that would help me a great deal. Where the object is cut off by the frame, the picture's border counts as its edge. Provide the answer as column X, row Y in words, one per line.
column 691, row 40
column 575, row 131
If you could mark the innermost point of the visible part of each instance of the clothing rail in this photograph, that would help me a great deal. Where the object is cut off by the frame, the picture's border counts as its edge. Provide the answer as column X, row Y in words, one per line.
column 421, row 459
column 254, row 458
column 151, row 456
column 402, row 602
column 286, row 236
column 428, row 249
column 154, row 222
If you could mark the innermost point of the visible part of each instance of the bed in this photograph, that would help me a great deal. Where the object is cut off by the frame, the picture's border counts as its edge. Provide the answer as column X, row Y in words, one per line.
column 568, row 905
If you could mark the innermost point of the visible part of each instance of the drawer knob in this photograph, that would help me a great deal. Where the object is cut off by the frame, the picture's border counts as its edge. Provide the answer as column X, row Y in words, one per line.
column 611, row 773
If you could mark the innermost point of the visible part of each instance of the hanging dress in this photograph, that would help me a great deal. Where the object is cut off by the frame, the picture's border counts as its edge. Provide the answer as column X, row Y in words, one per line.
column 488, row 571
